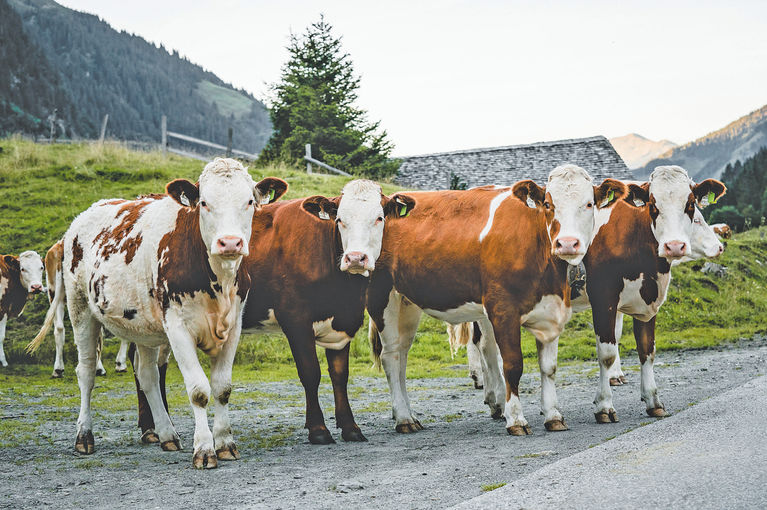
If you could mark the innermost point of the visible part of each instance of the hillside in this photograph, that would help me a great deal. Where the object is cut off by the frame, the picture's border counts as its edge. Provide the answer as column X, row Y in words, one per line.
column 707, row 156
column 100, row 70
column 636, row 150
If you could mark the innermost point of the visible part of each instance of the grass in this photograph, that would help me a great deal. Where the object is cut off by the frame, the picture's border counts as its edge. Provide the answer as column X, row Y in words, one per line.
column 492, row 486
column 42, row 188
column 228, row 101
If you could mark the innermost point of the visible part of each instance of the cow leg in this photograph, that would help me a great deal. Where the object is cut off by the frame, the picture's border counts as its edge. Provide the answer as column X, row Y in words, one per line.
column 197, row 388
column 475, row 360
column 547, row 362
column 120, row 362
column 85, row 331
column 221, row 389
column 3, row 361
column 616, row 375
column 338, row 368
column 494, row 384
column 607, row 352
column 508, row 335
column 100, row 370
column 149, row 378
column 145, row 419
column 644, row 332
column 59, row 337
column 302, row 345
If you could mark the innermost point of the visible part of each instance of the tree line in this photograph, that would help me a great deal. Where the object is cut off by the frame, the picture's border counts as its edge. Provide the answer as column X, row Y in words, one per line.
column 745, row 204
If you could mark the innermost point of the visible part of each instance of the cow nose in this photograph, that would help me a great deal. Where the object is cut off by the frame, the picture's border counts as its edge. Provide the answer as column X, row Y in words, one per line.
column 356, row 259
column 37, row 287
column 229, row 245
column 675, row 249
column 567, row 246
column 721, row 250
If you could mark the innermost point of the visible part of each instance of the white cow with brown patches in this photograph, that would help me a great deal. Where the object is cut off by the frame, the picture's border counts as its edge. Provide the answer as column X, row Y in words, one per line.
column 166, row 268
column 20, row 277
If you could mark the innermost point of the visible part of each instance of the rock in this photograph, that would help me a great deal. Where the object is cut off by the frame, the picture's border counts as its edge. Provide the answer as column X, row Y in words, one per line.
column 717, row 270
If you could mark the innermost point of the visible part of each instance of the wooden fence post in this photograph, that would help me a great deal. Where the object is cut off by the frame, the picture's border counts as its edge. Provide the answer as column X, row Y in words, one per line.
column 164, row 135
column 229, row 143
column 308, row 155
column 103, row 129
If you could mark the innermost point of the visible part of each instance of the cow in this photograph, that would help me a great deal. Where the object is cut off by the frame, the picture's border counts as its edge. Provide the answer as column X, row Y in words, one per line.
column 20, row 277
column 496, row 255
column 53, row 272
column 166, row 269
column 723, row 230
column 312, row 265
column 628, row 271
column 468, row 335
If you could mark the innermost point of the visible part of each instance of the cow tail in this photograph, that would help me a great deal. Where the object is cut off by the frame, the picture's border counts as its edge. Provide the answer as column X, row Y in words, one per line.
column 458, row 335
column 375, row 344
column 56, row 294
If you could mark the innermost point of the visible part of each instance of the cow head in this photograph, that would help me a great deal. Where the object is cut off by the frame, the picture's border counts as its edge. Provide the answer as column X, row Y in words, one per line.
column 670, row 197
column 226, row 198
column 29, row 266
column 360, row 214
column 570, row 202
column 704, row 243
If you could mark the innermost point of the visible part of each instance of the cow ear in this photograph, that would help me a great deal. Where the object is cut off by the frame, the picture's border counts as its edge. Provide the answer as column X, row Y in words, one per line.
column 638, row 194
column 270, row 189
column 12, row 263
column 184, row 192
column 321, row 207
column 708, row 192
column 398, row 206
column 607, row 193
column 530, row 193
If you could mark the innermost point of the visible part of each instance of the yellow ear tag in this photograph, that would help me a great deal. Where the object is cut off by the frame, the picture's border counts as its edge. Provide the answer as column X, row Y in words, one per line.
column 610, row 196
column 271, row 195
column 403, row 211
column 711, row 197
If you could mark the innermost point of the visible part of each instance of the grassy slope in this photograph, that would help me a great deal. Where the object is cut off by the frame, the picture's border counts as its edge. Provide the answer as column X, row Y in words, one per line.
column 42, row 188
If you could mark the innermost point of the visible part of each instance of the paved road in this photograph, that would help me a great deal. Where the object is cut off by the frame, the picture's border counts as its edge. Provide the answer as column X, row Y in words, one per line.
column 713, row 455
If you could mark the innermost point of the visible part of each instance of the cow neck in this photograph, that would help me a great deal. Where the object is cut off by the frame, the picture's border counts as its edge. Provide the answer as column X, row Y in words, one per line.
column 14, row 296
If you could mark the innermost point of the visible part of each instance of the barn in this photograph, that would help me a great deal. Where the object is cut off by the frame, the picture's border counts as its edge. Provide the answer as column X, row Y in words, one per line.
column 509, row 164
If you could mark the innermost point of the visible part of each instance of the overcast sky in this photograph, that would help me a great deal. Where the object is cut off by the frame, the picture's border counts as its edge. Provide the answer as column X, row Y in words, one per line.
column 445, row 74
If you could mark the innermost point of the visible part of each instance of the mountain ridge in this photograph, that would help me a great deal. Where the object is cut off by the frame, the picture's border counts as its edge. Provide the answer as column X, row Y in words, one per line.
column 636, row 150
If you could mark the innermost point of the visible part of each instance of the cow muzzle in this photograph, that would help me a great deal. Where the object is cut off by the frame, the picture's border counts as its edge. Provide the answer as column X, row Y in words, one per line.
column 229, row 246
column 567, row 247
column 675, row 249
column 356, row 262
column 36, row 288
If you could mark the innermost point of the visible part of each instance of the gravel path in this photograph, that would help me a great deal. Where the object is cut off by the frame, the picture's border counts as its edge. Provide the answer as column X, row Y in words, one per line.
column 460, row 451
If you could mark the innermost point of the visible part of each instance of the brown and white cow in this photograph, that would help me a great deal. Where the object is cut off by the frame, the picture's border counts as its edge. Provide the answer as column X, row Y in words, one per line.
column 20, row 277
column 310, row 259
column 167, row 269
column 496, row 255
column 629, row 270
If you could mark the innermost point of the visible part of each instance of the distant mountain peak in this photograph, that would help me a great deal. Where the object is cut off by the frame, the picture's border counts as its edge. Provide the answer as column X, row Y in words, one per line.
column 636, row 150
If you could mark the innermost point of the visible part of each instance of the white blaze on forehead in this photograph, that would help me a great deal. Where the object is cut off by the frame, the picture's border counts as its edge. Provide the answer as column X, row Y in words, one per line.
column 569, row 182
column 358, row 212
column 571, row 190
column 32, row 269
column 670, row 189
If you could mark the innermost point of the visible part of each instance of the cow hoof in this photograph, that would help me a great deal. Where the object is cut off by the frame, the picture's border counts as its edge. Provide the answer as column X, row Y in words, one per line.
column 172, row 445
column 58, row 373
column 519, row 430
column 321, row 436
column 556, row 425
column 658, row 412
column 616, row 381
column 84, row 443
column 101, row 373
column 606, row 416
column 478, row 386
column 408, row 428
column 497, row 413
column 150, row 437
column 353, row 435
column 205, row 459
column 228, row 453
column 119, row 369
column 623, row 379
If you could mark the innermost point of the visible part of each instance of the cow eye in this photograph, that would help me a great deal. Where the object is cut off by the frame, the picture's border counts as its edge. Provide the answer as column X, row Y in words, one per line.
column 696, row 220
column 250, row 202
column 203, row 203
column 379, row 219
column 547, row 205
column 589, row 205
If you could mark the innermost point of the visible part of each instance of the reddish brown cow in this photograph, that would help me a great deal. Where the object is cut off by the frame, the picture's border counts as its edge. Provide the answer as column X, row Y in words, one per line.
column 20, row 277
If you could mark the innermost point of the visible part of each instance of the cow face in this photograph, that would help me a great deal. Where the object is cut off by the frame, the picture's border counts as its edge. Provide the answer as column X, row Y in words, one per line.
column 670, row 197
column 570, row 202
column 30, row 266
column 360, row 214
column 226, row 198
column 704, row 243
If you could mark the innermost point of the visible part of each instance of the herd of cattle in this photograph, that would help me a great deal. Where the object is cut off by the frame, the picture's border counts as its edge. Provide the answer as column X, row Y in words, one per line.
column 194, row 267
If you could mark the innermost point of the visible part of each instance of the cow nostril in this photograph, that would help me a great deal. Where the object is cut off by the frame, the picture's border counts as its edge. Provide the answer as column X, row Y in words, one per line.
column 363, row 259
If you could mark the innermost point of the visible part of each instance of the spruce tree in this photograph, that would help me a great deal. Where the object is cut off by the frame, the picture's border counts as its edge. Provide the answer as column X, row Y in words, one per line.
column 315, row 103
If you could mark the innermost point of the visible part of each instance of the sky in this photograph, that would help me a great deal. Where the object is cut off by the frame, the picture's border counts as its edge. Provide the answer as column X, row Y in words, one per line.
column 449, row 75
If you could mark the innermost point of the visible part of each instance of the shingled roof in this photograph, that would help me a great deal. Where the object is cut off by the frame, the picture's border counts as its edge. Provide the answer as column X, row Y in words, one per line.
column 507, row 165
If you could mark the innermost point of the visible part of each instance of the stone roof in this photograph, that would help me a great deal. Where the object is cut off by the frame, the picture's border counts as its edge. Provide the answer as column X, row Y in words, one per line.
column 507, row 165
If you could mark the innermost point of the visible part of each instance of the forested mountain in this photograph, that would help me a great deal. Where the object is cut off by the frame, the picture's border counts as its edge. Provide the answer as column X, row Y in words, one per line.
column 636, row 150
column 100, row 71
column 745, row 204
column 708, row 156
column 29, row 87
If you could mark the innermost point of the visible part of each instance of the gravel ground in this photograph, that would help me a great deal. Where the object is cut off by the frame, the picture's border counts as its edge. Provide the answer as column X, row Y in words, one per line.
column 461, row 450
